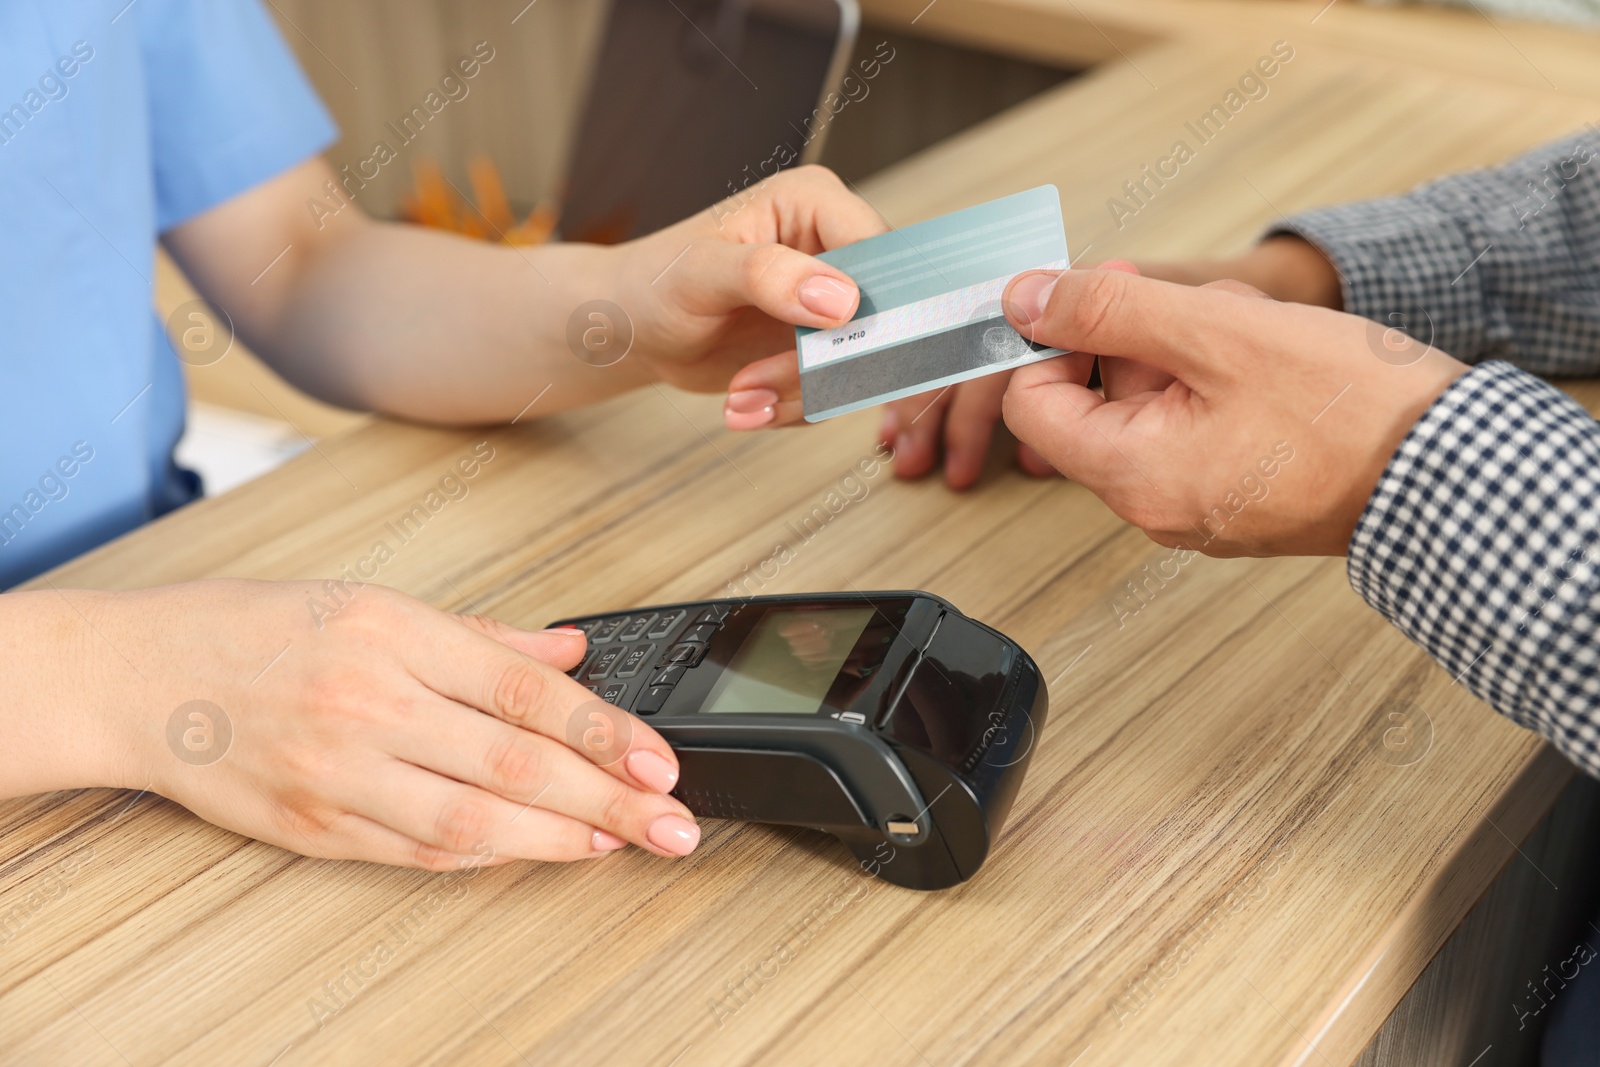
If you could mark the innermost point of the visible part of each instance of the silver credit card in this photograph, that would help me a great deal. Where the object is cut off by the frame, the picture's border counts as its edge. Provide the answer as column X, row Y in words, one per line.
column 930, row 311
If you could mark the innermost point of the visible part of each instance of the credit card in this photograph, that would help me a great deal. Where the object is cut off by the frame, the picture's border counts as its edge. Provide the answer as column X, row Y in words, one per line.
column 930, row 305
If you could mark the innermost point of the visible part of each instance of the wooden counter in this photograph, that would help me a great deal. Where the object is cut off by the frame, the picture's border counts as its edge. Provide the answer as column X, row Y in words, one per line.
column 1213, row 860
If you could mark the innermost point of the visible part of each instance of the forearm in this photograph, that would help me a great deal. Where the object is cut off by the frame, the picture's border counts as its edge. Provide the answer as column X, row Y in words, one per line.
column 1488, row 264
column 438, row 328
column 1482, row 544
column 398, row 319
column 384, row 730
column 63, row 684
column 1284, row 266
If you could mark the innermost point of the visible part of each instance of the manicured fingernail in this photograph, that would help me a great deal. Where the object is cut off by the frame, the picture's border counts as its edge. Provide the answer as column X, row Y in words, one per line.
column 903, row 444
column 604, row 842
column 890, row 427
column 674, row 834
column 828, row 297
column 748, row 420
column 748, row 401
column 651, row 770
column 1030, row 294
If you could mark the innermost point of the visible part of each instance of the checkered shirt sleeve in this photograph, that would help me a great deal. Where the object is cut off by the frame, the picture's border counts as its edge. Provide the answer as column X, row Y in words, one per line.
column 1488, row 264
column 1480, row 542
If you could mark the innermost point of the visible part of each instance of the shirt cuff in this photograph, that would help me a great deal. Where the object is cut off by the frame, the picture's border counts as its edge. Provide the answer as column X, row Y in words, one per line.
column 1480, row 544
column 1403, row 262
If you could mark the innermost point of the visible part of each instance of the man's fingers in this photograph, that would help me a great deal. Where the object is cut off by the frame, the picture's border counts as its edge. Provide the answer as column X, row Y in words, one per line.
column 1032, row 463
column 1122, row 378
column 1115, row 313
column 1233, row 285
column 1049, row 410
column 1029, row 293
column 963, row 418
column 1129, row 377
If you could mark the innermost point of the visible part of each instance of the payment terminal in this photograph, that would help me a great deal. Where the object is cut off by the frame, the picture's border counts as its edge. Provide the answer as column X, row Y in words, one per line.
column 889, row 720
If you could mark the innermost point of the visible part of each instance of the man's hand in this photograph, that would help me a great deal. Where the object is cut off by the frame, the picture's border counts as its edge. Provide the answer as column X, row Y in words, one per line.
column 953, row 428
column 356, row 723
column 1230, row 423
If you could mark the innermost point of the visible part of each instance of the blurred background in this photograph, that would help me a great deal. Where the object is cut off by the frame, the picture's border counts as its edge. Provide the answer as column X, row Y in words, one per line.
column 1086, row 79
column 373, row 61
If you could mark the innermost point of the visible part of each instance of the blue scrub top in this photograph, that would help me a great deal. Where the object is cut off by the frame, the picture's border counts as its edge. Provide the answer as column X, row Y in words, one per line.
column 118, row 121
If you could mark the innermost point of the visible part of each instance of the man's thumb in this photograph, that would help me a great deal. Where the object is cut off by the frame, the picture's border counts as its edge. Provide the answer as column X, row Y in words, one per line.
column 1112, row 311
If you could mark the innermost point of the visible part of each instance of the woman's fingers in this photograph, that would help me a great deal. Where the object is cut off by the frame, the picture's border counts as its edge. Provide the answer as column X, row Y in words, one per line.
column 356, row 837
column 562, row 647
column 530, row 769
column 460, row 819
column 969, row 428
column 919, row 421
column 765, row 393
column 479, row 672
column 812, row 203
column 718, row 277
column 463, row 819
column 346, row 835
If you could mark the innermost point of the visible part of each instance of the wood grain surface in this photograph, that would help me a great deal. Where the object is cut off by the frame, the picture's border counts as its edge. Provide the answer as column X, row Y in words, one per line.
column 1214, row 859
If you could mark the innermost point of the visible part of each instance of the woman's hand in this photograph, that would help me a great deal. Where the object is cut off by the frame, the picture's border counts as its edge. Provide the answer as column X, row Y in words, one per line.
column 1230, row 423
column 728, row 285
column 353, row 722
column 952, row 429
